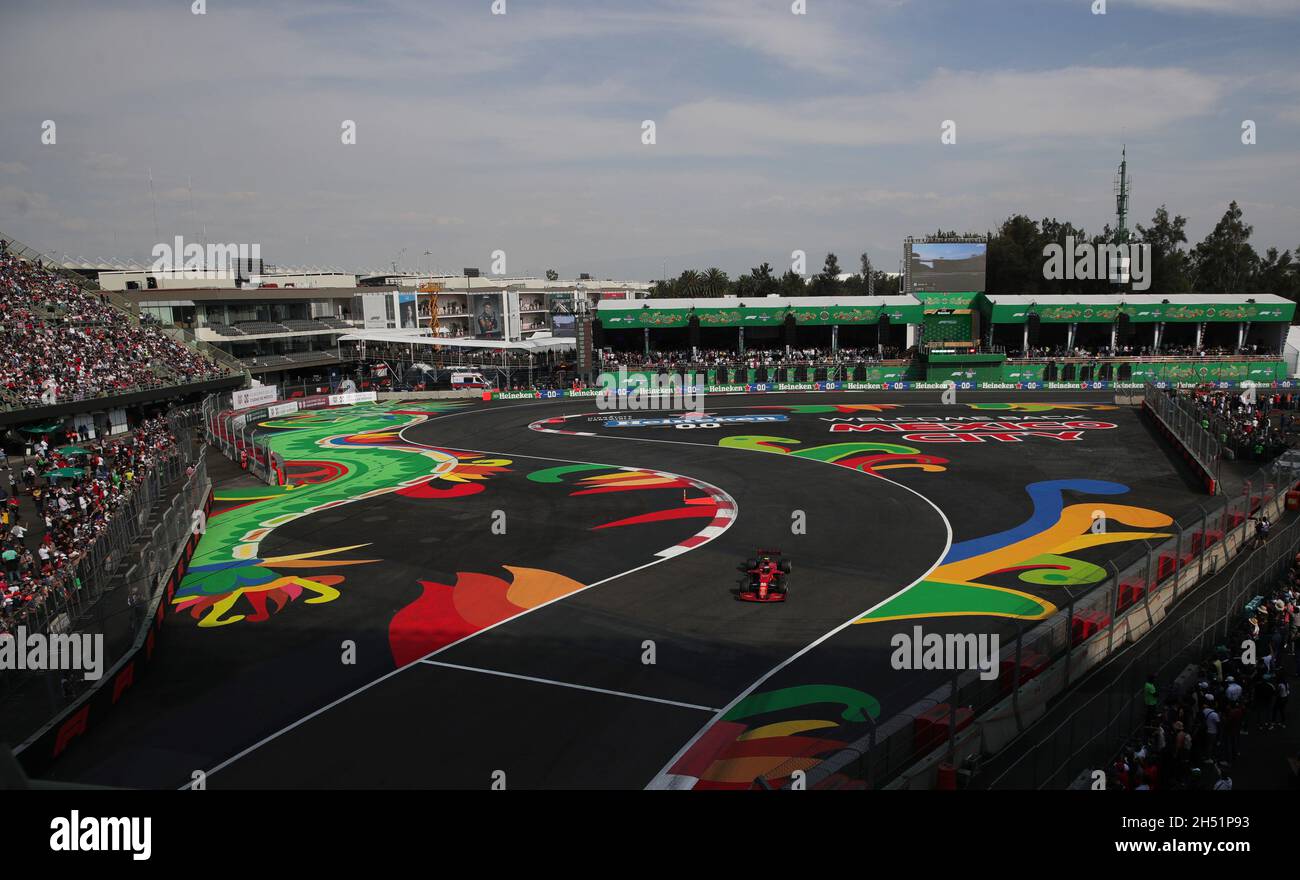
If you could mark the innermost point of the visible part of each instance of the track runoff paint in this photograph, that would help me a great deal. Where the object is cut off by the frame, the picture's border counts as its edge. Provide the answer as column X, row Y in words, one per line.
column 964, row 429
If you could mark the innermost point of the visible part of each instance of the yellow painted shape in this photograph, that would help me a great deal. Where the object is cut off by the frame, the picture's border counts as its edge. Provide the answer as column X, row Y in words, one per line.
column 749, row 769
column 1090, row 540
column 785, row 728
column 1075, row 520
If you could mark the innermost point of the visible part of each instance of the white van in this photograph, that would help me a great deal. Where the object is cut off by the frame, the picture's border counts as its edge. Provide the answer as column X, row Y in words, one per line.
column 469, row 380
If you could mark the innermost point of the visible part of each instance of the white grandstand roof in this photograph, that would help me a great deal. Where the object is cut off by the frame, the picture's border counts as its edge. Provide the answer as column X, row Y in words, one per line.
column 757, row 302
column 400, row 337
column 1137, row 299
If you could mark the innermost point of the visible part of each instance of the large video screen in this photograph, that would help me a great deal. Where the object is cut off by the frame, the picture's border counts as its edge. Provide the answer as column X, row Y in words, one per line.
column 947, row 267
column 564, row 325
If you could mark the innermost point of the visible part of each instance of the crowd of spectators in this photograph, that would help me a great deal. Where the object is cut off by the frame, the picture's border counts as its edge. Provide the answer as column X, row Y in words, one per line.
column 1257, row 424
column 752, row 358
column 74, row 497
column 1192, row 740
column 59, row 342
column 1053, row 352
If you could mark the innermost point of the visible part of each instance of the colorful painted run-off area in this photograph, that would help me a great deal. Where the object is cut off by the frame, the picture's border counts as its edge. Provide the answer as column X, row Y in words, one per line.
column 343, row 456
column 580, row 568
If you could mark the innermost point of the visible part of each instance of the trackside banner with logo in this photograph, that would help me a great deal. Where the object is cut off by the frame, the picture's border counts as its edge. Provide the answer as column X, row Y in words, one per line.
column 760, row 387
column 352, row 397
column 255, row 396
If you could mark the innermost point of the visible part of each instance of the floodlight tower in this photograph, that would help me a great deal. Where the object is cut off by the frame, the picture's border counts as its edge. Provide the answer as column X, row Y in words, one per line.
column 1119, row 275
column 1122, row 183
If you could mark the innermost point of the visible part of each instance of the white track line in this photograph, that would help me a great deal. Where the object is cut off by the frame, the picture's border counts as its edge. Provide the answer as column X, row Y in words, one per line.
column 576, row 687
column 664, row 779
column 365, row 687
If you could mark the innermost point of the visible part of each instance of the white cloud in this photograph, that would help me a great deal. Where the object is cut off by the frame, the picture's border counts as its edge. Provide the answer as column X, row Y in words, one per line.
column 999, row 107
column 1226, row 7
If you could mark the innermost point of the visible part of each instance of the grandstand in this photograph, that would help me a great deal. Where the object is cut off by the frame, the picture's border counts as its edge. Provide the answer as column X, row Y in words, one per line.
column 1124, row 339
column 97, row 416
column 69, row 348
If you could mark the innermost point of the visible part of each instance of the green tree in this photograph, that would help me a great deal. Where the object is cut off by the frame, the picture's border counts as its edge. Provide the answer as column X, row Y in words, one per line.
column 792, row 284
column 1060, row 232
column 1276, row 274
column 886, row 285
column 690, row 283
column 746, row 287
column 663, row 289
column 715, row 282
column 864, row 284
column 552, row 275
column 1170, row 266
column 1224, row 261
column 827, row 283
column 765, row 283
column 1015, row 257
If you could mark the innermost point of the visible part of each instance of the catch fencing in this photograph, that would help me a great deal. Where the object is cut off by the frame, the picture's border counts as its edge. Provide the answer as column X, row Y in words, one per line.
column 1180, row 417
column 108, row 589
column 235, row 434
column 1095, row 623
column 1090, row 736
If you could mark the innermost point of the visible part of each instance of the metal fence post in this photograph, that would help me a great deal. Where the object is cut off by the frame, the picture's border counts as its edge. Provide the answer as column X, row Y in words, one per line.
column 952, row 719
column 1069, row 632
column 1015, row 680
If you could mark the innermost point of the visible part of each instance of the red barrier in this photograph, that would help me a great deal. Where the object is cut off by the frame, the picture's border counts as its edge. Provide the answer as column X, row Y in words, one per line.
column 1087, row 624
column 1130, row 593
column 931, row 727
column 1031, row 664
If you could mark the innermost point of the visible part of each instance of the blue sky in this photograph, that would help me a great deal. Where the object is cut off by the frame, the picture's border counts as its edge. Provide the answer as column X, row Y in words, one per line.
column 522, row 132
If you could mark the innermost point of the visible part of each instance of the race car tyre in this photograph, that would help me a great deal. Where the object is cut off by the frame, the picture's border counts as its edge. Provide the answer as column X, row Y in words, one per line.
column 751, row 564
column 784, row 565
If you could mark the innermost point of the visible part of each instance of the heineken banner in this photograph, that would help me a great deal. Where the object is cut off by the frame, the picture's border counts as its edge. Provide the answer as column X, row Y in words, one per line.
column 763, row 387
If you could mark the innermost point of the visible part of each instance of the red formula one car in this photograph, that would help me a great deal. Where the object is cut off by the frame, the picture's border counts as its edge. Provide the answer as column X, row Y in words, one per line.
column 768, row 577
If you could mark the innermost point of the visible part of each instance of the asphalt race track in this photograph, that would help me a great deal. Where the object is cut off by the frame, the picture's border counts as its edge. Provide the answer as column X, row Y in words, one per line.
column 622, row 658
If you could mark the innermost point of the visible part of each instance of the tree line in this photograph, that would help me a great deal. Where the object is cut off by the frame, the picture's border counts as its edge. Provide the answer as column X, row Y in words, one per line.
column 1223, row 262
